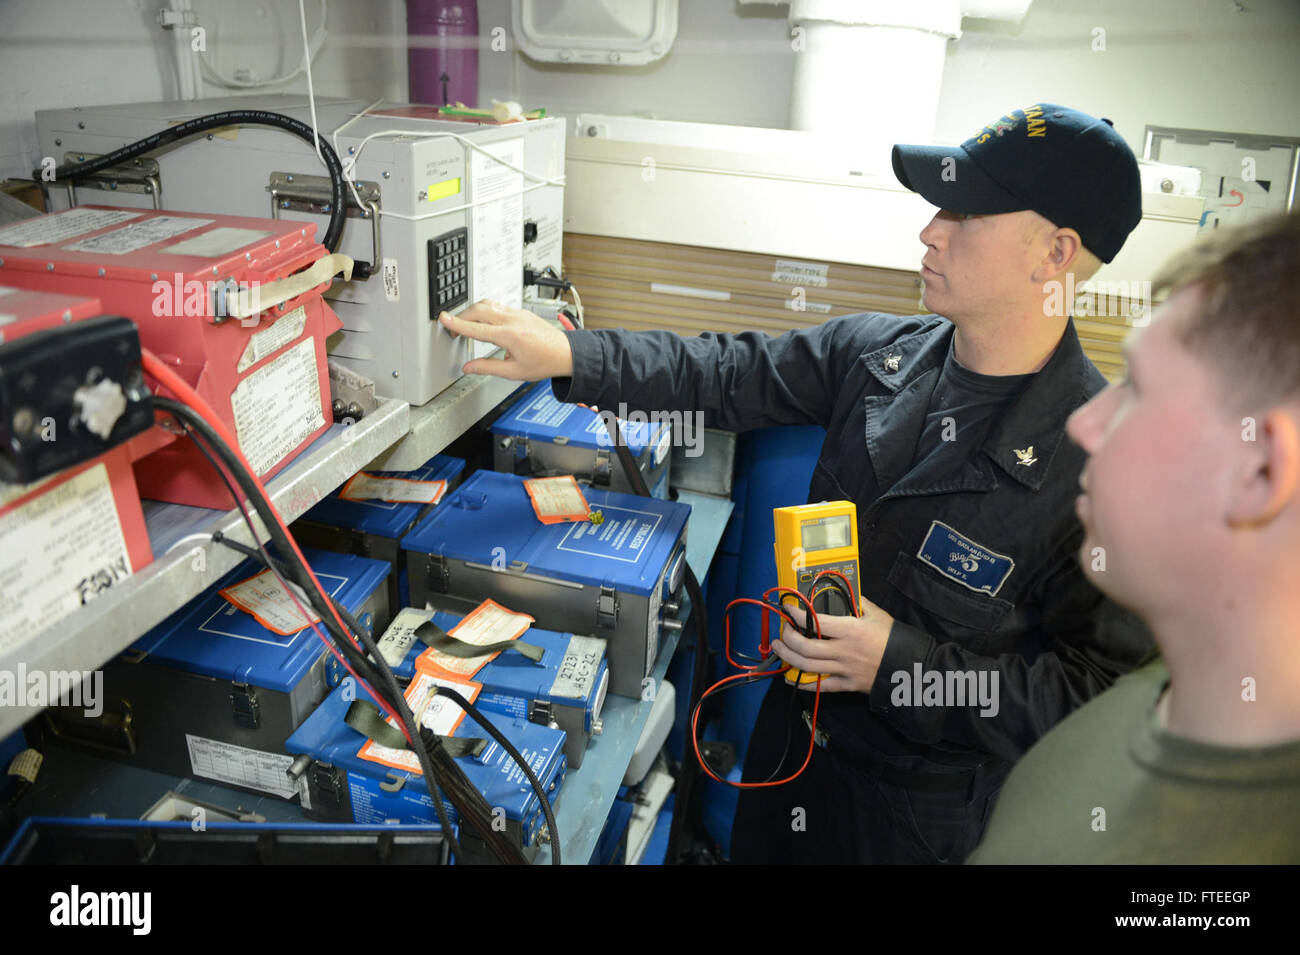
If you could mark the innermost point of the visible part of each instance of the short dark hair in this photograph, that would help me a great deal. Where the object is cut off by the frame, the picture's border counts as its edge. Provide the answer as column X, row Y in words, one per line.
column 1249, row 320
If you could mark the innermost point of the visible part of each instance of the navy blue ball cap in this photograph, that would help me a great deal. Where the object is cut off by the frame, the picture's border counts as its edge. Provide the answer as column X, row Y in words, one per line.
column 1071, row 168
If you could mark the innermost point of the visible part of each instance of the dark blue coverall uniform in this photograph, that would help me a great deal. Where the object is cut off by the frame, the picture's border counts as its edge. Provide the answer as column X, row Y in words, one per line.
column 902, row 783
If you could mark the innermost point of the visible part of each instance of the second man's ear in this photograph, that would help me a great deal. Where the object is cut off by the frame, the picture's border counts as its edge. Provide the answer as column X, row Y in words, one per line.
column 1268, row 478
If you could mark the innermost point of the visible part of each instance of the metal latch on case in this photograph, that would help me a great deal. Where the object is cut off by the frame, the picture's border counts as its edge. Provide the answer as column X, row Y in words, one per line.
column 607, row 606
column 244, row 706
column 325, row 780
column 600, row 471
column 541, row 711
column 437, row 575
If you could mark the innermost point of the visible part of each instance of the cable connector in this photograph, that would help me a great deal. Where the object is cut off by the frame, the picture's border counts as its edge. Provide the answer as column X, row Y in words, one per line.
column 541, row 279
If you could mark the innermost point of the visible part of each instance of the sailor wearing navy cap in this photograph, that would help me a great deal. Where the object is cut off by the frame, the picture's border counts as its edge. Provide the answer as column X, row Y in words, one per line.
column 979, row 630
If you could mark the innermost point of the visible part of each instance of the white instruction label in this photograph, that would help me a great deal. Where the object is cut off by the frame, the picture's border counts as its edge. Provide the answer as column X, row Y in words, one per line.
column 497, row 255
column 138, row 235
column 278, row 406
column 790, row 272
column 391, row 290
column 400, row 635
column 367, row 487
column 269, row 603
column 489, row 623
column 282, row 331
column 62, row 226
column 59, row 551
column 579, row 667
column 216, row 243
column 250, row 768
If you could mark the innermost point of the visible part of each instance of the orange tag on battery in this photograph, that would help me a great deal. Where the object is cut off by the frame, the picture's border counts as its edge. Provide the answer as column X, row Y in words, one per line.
column 557, row 500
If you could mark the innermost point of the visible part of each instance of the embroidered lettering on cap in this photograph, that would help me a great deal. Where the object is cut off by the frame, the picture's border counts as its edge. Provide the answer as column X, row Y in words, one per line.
column 961, row 559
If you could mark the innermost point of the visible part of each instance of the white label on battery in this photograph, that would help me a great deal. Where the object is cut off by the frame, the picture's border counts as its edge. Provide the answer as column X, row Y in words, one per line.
column 496, row 254
column 217, row 242
column 270, row 604
column 138, row 235
column 367, row 487
column 282, row 331
column 392, row 292
column 241, row 766
column 790, row 272
column 62, row 226
column 400, row 635
column 59, row 551
column 278, row 406
column 579, row 667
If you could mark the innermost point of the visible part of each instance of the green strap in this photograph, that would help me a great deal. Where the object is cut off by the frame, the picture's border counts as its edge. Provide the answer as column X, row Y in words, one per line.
column 364, row 717
column 432, row 635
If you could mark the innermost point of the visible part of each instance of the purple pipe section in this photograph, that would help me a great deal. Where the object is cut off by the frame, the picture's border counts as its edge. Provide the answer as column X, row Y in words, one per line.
column 443, row 60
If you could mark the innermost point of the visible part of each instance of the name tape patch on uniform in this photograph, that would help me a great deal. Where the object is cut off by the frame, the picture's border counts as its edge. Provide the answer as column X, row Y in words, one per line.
column 965, row 561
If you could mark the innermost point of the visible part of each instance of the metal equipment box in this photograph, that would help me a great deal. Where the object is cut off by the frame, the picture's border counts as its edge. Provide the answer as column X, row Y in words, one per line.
column 440, row 219
column 540, row 436
column 213, row 693
column 566, row 688
column 374, row 528
column 232, row 304
column 618, row 579
column 343, row 787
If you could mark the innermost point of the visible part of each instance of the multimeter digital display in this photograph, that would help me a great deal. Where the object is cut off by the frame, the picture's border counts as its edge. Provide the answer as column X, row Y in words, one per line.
column 817, row 544
column 827, row 533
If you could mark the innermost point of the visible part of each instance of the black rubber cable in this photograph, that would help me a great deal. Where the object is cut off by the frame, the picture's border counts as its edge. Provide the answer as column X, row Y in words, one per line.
column 496, row 734
column 233, row 117
column 358, row 662
column 455, row 783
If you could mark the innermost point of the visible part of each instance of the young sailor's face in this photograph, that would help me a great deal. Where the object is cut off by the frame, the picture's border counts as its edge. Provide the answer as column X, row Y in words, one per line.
column 1155, row 488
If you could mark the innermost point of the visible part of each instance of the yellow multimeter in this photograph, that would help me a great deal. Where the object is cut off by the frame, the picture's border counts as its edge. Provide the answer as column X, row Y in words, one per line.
column 813, row 540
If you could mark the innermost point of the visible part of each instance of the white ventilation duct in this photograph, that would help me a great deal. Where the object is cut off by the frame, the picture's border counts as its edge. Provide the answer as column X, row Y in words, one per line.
column 870, row 71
